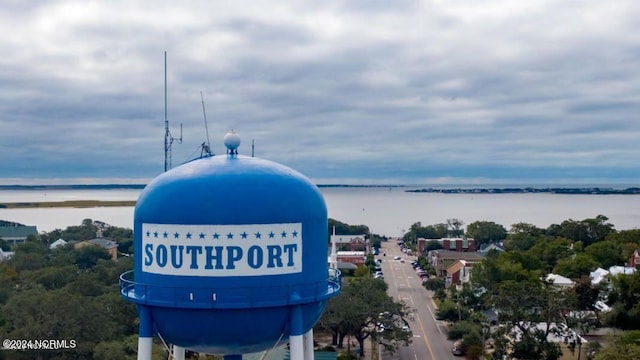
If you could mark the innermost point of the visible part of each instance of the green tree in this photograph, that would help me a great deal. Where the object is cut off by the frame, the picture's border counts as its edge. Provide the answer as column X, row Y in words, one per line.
column 530, row 311
column 550, row 251
column 504, row 267
column 362, row 309
column 485, row 232
column 52, row 277
column 376, row 241
column 625, row 297
column 44, row 295
column 416, row 231
column 587, row 231
column 452, row 311
column 362, row 271
column 624, row 236
column 622, row 347
column 522, row 236
column 434, row 283
column 525, row 228
column 370, row 263
column 85, row 231
column 576, row 267
column 455, row 227
column 88, row 256
column 346, row 229
column 606, row 253
column 629, row 241
column 459, row 329
column 432, row 245
column 586, row 294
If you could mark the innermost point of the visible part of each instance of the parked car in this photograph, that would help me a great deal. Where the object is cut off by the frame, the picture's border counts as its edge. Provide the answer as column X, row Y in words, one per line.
column 457, row 349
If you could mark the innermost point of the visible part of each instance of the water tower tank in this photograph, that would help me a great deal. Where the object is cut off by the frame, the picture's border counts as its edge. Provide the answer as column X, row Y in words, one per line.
column 230, row 255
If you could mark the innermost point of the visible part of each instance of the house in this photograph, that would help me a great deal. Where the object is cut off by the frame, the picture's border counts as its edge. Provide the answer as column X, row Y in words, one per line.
column 441, row 259
column 350, row 242
column 559, row 281
column 634, row 260
column 57, row 243
column 107, row 244
column 14, row 233
column 486, row 248
column 453, row 244
column 621, row 270
column 459, row 272
column 353, row 257
column 598, row 275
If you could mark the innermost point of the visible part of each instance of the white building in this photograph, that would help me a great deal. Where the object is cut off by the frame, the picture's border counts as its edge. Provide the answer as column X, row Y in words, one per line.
column 559, row 281
column 624, row 270
column 57, row 243
column 598, row 275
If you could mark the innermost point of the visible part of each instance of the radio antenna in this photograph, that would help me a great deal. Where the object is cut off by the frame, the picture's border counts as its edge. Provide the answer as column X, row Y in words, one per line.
column 168, row 139
column 206, row 148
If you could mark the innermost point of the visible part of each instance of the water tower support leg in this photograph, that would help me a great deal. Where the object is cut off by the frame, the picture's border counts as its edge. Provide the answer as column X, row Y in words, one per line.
column 145, row 333
column 308, row 345
column 296, row 343
column 178, row 352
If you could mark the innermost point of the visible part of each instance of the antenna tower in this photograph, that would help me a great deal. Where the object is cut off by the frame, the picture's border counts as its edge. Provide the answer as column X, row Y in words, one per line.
column 206, row 147
column 168, row 139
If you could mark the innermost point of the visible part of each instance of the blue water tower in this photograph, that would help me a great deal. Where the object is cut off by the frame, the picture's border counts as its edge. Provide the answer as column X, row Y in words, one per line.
column 230, row 258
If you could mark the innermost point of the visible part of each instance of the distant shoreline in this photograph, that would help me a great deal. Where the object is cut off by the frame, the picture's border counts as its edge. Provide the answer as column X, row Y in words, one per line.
column 73, row 187
column 68, row 204
column 142, row 186
column 532, row 190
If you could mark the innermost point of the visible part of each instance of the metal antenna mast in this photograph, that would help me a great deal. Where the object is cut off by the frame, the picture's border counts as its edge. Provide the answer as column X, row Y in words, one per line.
column 206, row 147
column 168, row 139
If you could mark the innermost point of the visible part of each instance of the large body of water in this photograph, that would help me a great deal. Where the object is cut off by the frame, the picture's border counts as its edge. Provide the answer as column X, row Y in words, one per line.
column 386, row 211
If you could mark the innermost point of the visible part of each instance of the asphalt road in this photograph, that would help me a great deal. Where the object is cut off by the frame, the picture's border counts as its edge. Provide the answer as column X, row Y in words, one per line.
column 429, row 335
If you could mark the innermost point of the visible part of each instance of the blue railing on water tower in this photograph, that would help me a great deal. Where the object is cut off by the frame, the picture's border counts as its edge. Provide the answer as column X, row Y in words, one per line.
column 228, row 298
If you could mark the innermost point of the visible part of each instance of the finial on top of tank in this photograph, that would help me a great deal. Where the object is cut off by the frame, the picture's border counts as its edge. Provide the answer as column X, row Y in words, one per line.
column 232, row 141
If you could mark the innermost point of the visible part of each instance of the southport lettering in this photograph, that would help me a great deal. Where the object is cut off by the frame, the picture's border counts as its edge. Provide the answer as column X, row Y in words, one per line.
column 222, row 250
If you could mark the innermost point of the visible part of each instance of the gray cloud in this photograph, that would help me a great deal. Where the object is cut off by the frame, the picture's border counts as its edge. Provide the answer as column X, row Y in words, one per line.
column 378, row 91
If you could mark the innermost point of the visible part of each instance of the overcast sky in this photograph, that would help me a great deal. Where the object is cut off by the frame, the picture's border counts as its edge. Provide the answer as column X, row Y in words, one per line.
column 375, row 91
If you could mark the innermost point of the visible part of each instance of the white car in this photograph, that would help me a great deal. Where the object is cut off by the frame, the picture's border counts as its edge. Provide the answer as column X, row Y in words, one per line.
column 397, row 258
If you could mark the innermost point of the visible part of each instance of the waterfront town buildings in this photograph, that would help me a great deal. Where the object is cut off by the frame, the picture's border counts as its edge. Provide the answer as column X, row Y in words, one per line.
column 442, row 259
column 349, row 242
column 105, row 243
column 14, row 234
column 453, row 244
